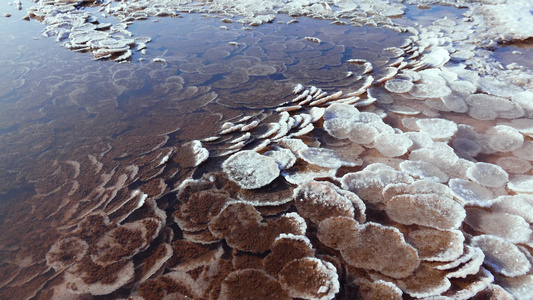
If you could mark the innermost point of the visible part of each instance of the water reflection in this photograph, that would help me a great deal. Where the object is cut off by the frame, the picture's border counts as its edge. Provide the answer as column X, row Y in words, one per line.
column 520, row 54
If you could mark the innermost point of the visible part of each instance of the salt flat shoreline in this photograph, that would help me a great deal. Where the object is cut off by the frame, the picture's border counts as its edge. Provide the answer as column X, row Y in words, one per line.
column 327, row 168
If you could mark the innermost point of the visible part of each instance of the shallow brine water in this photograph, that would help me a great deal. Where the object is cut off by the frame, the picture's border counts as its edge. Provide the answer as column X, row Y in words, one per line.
column 175, row 150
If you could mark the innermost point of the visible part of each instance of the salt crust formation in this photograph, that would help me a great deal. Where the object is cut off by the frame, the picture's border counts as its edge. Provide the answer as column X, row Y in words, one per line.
column 354, row 201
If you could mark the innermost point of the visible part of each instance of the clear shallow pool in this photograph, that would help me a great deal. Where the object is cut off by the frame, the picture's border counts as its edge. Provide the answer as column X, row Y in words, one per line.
column 94, row 157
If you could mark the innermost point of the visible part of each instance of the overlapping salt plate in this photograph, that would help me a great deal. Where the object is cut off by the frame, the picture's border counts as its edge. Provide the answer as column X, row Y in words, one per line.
column 434, row 192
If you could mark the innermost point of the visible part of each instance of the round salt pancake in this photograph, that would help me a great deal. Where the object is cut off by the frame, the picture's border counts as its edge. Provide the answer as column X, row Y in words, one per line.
column 381, row 248
column 317, row 201
column 382, row 127
column 240, row 224
column 431, row 210
column 493, row 86
column 108, row 43
column 415, row 76
column 420, row 140
column 339, row 127
column 520, row 205
column 435, row 104
column 437, row 245
column 515, row 112
column 470, row 192
column 215, row 69
column 464, row 88
column 286, row 248
column 483, row 113
column 437, row 57
column 455, row 103
column 261, row 69
column 398, row 86
column 283, row 157
column 525, row 100
column 362, row 133
column 431, row 86
column 327, row 158
column 392, row 145
column 251, row 170
column 65, row 252
column 424, row 170
column 503, row 138
column 380, row 289
column 466, row 146
column 310, row 278
column 511, row 227
column 521, row 183
column 76, row 278
column 251, row 284
column 489, row 102
column 368, row 117
column 513, row 164
column 410, row 123
column 488, row 175
column 158, row 258
column 438, row 129
column 525, row 126
column 439, row 154
column 334, row 231
column 525, row 152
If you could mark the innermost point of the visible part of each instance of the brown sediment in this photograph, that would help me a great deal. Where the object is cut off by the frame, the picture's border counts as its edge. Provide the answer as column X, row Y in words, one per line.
column 251, row 284
column 127, row 242
column 154, row 259
column 157, row 289
column 187, row 253
column 93, row 273
column 154, row 187
column 221, row 268
column 152, row 226
column 245, row 260
column 92, row 228
column 70, row 250
column 200, row 208
column 285, row 250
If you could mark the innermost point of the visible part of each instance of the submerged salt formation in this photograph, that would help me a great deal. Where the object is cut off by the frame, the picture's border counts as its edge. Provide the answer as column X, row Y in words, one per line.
column 112, row 40
column 410, row 179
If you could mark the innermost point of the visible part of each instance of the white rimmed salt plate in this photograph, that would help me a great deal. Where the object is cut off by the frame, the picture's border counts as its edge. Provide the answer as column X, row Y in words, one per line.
column 487, row 174
column 504, row 138
column 392, row 145
column 438, row 129
column 398, row 86
column 251, row 170
column 521, row 183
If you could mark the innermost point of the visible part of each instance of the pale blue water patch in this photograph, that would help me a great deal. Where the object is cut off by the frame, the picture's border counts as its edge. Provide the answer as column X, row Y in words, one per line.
column 520, row 54
column 426, row 16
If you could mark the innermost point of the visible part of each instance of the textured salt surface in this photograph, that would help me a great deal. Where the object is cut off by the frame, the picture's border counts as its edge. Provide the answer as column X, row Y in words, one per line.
column 245, row 155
